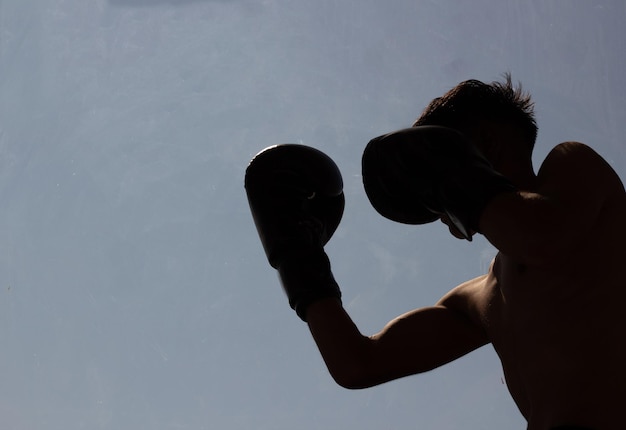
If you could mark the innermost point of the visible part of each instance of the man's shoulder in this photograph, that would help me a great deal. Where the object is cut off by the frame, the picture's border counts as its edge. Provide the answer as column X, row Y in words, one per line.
column 572, row 155
column 467, row 298
column 575, row 164
column 566, row 154
column 572, row 148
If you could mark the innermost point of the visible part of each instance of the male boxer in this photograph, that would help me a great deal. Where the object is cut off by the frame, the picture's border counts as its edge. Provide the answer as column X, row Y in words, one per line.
column 553, row 303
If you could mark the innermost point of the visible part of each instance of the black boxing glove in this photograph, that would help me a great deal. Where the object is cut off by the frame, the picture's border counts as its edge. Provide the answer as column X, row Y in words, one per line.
column 296, row 198
column 416, row 175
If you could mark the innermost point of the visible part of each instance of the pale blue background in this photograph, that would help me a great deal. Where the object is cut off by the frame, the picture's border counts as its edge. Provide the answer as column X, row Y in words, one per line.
column 134, row 293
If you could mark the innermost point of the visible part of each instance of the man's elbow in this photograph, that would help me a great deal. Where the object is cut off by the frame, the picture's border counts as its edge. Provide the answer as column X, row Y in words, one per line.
column 352, row 377
column 364, row 372
column 358, row 371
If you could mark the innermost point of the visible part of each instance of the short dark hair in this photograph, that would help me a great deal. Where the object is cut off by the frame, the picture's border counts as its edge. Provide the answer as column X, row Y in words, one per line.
column 474, row 100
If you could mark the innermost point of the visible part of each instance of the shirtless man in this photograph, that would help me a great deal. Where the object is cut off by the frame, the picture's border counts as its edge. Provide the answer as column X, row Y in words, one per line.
column 553, row 303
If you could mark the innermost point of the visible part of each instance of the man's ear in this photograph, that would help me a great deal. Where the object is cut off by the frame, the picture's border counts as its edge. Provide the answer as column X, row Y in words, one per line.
column 495, row 141
column 483, row 135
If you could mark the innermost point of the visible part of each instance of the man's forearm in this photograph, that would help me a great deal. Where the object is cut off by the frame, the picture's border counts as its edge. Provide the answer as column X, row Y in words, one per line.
column 343, row 347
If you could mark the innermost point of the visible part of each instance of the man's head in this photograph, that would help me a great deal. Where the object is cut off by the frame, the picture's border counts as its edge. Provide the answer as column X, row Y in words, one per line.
column 472, row 104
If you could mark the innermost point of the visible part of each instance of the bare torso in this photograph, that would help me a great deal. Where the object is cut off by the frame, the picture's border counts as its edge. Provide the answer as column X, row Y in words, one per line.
column 560, row 330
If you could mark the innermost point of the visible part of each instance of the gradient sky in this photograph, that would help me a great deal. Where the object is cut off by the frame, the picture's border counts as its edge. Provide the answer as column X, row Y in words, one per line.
column 134, row 292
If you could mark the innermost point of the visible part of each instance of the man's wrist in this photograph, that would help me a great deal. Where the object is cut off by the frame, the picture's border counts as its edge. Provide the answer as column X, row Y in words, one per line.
column 306, row 277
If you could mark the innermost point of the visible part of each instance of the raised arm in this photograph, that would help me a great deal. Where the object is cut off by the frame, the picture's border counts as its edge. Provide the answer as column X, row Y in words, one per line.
column 415, row 342
column 296, row 200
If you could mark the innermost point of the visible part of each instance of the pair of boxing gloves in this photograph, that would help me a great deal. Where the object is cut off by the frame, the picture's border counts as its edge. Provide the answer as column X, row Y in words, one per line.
column 412, row 176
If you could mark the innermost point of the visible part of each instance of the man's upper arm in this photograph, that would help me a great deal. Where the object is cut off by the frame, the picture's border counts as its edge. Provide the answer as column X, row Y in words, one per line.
column 426, row 338
column 412, row 343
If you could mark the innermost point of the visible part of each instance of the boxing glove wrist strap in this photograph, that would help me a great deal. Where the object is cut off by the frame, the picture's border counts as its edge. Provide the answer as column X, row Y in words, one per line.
column 306, row 277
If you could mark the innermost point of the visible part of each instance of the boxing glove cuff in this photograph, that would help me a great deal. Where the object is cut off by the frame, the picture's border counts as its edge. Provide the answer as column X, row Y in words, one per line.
column 306, row 278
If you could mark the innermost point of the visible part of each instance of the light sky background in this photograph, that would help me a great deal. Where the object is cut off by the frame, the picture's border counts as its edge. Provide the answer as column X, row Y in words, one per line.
column 134, row 292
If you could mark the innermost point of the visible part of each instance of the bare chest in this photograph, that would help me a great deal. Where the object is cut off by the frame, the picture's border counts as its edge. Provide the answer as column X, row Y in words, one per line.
column 555, row 330
column 529, row 307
